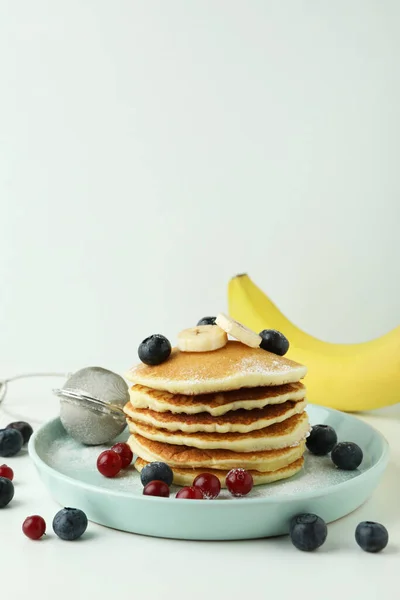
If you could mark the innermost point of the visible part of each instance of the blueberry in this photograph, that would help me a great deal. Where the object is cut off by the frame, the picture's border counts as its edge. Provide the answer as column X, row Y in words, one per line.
column 371, row 537
column 347, row 456
column 274, row 341
column 308, row 532
column 6, row 491
column 321, row 440
column 154, row 350
column 207, row 321
column 156, row 471
column 24, row 428
column 11, row 442
column 70, row 523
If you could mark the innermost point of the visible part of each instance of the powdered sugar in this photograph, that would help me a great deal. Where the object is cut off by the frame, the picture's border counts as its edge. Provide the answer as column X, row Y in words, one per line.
column 78, row 462
column 250, row 365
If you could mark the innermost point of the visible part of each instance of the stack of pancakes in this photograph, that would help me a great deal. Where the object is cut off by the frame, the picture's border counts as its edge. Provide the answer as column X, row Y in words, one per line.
column 236, row 407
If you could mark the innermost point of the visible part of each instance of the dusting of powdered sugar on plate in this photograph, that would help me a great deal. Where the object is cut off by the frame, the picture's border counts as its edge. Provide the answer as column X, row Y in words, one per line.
column 74, row 460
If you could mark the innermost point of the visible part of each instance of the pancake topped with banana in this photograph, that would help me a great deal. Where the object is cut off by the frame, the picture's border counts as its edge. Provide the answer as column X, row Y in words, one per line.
column 222, row 398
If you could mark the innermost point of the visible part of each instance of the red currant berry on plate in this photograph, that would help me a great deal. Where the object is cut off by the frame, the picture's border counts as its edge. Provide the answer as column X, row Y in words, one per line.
column 34, row 527
column 190, row 493
column 125, row 453
column 208, row 484
column 156, row 488
column 239, row 482
column 109, row 463
column 7, row 472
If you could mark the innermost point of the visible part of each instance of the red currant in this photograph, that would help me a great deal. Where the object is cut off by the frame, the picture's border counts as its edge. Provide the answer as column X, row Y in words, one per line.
column 156, row 488
column 109, row 463
column 34, row 527
column 125, row 453
column 208, row 484
column 190, row 493
column 7, row 472
column 239, row 482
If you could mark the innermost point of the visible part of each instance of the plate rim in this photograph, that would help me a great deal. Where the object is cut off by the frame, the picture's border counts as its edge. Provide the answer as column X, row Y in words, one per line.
column 379, row 466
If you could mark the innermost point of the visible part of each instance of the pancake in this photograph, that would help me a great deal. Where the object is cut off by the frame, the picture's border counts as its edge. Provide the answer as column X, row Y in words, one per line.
column 232, row 367
column 186, row 476
column 185, row 457
column 280, row 435
column 215, row 404
column 238, row 421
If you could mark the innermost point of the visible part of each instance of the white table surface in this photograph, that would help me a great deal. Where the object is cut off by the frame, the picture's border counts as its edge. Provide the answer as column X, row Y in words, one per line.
column 112, row 564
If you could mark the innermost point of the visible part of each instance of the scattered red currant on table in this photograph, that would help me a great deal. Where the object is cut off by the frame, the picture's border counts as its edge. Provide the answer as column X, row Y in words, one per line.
column 208, row 484
column 7, row 472
column 125, row 453
column 34, row 527
column 239, row 482
column 190, row 493
column 109, row 463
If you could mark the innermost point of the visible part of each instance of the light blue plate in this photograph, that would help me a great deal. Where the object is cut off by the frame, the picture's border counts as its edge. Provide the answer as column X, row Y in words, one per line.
column 69, row 471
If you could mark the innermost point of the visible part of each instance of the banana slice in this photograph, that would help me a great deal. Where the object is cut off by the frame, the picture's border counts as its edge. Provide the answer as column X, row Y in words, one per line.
column 202, row 339
column 238, row 331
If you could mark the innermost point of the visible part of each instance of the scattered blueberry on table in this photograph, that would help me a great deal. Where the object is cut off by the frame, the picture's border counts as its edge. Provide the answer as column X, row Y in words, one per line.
column 371, row 537
column 11, row 442
column 308, row 532
column 6, row 491
column 70, row 523
column 24, row 428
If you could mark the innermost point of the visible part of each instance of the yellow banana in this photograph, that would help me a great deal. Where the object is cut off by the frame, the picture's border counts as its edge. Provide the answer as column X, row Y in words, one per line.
column 348, row 377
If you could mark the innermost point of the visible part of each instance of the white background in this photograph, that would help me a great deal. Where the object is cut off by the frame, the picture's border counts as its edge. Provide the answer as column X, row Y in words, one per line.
column 151, row 150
